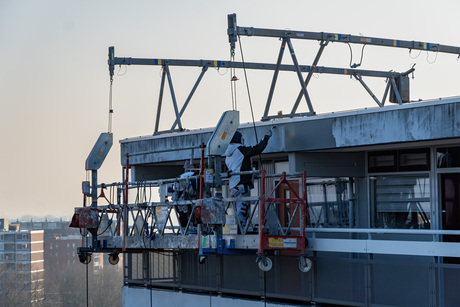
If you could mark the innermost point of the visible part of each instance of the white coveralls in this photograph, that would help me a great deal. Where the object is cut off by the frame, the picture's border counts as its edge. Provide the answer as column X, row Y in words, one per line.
column 238, row 159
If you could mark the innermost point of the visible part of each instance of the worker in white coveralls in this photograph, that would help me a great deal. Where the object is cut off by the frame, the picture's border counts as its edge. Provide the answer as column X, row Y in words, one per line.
column 238, row 159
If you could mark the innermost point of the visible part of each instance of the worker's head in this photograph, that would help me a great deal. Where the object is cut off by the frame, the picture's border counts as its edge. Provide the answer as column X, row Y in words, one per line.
column 237, row 138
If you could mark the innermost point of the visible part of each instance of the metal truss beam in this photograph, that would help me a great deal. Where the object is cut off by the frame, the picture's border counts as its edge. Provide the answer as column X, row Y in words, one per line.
column 277, row 67
column 234, row 31
column 250, row 65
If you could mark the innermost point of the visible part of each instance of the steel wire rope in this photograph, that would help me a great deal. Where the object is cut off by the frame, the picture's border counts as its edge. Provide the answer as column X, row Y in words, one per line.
column 435, row 58
column 355, row 65
column 265, row 288
column 87, row 288
column 249, row 95
column 410, row 54
column 247, row 86
column 250, row 103
column 218, row 70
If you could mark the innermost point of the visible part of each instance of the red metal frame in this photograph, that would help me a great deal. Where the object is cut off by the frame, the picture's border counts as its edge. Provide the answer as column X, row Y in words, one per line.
column 268, row 242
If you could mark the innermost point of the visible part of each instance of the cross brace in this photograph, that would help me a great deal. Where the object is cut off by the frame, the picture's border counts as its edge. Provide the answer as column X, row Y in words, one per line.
column 205, row 64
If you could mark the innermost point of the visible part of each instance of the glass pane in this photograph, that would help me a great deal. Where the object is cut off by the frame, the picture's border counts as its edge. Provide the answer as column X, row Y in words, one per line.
column 401, row 201
column 411, row 159
column 448, row 157
column 328, row 202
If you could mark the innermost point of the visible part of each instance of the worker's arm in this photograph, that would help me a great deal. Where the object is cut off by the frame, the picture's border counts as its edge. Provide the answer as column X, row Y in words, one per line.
column 249, row 151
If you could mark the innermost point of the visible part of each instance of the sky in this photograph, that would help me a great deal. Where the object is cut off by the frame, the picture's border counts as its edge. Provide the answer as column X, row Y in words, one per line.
column 54, row 80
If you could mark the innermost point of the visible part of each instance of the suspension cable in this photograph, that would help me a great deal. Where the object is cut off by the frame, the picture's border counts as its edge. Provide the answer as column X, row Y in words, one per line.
column 249, row 96
column 247, row 88
column 87, row 290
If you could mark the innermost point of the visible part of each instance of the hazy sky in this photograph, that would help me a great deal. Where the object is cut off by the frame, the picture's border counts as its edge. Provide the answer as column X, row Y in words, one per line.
column 54, row 78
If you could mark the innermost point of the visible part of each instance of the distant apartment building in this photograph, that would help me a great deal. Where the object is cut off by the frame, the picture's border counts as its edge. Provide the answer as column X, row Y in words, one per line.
column 60, row 252
column 61, row 243
column 22, row 266
column 3, row 224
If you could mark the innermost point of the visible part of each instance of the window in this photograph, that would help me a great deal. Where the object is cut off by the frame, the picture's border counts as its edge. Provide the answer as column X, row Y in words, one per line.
column 329, row 204
column 382, row 161
column 399, row 160
column 401, row 201
column 448, row 157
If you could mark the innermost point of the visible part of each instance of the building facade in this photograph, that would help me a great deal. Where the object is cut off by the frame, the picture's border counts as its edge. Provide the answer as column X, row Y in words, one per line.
column 382, row 223
column 22, row 262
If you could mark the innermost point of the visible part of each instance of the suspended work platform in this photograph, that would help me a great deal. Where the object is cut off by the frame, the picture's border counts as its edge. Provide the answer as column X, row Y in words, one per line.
column 208, row 225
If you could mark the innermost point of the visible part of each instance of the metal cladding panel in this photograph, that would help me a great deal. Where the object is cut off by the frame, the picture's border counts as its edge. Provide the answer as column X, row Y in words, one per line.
column 392, row 124
column 309, row 135
column 276, row 142
column 399, row 125
column 184, row 145
column 164, row 148
column 328, row 164
column 384, row 126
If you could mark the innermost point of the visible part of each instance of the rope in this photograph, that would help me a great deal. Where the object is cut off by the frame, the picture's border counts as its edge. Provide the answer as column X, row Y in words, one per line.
column 87, row 292
column 247, row 88
column 435, row 58
column 355, row 65
column 249, row 96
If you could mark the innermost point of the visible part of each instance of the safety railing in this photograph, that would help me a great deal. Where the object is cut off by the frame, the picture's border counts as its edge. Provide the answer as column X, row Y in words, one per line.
column 131, row 211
